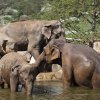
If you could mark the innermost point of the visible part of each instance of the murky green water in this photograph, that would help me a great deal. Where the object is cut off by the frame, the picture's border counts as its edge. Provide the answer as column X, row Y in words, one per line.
column 52, row 91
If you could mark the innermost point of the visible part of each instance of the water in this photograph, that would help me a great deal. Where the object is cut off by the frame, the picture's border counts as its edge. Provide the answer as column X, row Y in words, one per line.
column 52, row 91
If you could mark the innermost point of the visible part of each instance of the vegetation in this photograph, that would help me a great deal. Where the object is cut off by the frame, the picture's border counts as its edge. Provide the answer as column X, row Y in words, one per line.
column 80, row 18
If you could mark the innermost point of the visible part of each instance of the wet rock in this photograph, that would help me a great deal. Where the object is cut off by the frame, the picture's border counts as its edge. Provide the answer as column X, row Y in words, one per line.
column 56, row 67
column 49, row 76
column 97, row 46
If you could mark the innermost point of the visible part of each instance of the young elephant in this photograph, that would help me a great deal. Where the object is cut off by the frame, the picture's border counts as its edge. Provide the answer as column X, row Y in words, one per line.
column 80, row 63
column 14, row 69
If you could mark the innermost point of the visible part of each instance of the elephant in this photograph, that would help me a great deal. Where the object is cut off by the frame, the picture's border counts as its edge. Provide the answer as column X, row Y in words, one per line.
column 80, row 63
column 31, row 35
column 15, row 71
column 36, row 33
column 26, row 54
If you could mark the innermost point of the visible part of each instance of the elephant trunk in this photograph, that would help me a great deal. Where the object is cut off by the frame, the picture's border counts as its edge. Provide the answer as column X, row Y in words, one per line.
column 40, row 58
column 13, row 83
column 48, row 58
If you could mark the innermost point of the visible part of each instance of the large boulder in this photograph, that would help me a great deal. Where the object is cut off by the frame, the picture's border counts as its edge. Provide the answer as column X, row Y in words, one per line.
column 49, row 76
column 97, row 46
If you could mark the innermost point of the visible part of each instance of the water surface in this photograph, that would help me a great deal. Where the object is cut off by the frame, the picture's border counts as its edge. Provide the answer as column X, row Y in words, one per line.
column 52, row 91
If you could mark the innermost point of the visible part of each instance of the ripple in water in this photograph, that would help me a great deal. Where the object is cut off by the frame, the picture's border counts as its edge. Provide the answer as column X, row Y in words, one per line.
column 52, row 91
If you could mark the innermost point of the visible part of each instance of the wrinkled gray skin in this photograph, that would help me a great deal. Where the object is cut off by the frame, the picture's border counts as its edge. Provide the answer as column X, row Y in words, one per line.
column 26, row 54
column 80, row 63
column 34, row 33
column 14, row 69
column 30, row 35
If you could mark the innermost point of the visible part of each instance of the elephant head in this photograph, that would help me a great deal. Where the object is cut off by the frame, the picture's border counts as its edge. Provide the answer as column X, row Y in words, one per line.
column 30, row 35
column 53, row 30
column 53, row 49
column 22, row 74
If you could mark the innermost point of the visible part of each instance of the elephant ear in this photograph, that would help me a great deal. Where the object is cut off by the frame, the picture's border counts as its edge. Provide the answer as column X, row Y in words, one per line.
column 15, row 68
column 46, row 31
column 55, row 53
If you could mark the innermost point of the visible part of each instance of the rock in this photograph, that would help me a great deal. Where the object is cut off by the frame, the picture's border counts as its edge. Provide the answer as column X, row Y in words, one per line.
column 58, row 74
column 56, row 68
column 97, row 46
column 49, row 76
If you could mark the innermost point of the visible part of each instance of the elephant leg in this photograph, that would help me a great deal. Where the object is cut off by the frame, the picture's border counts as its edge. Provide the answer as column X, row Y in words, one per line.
column 82, row 79
column 67, row 72
column 96, row 81
column 83, row 75
column 66, row 78
column 13, row 83
column 29, row 87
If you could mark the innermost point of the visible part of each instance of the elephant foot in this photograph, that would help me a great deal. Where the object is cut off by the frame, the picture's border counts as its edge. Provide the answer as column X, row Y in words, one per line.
column 96, row 85
column 28, row 94
column 96, row 81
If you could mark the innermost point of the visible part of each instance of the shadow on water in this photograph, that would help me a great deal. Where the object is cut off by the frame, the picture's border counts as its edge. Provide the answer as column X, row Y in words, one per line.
column 52, row 91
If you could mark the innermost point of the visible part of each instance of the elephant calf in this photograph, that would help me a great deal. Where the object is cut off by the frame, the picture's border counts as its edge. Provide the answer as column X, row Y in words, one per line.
column 80, row 63
column 14, row 69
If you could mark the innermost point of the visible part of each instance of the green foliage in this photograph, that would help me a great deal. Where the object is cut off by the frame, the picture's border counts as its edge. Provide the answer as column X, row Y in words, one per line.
column 82, row 16
column 79, row 16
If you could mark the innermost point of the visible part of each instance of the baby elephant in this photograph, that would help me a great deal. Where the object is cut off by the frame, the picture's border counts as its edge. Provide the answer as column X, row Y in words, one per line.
column 80, row 63
column 14, row 69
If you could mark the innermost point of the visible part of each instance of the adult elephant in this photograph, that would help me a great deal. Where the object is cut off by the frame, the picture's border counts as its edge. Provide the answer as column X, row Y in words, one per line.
column 35, row 33
column 14, row 70
column 32, row 33
column 80, row 63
